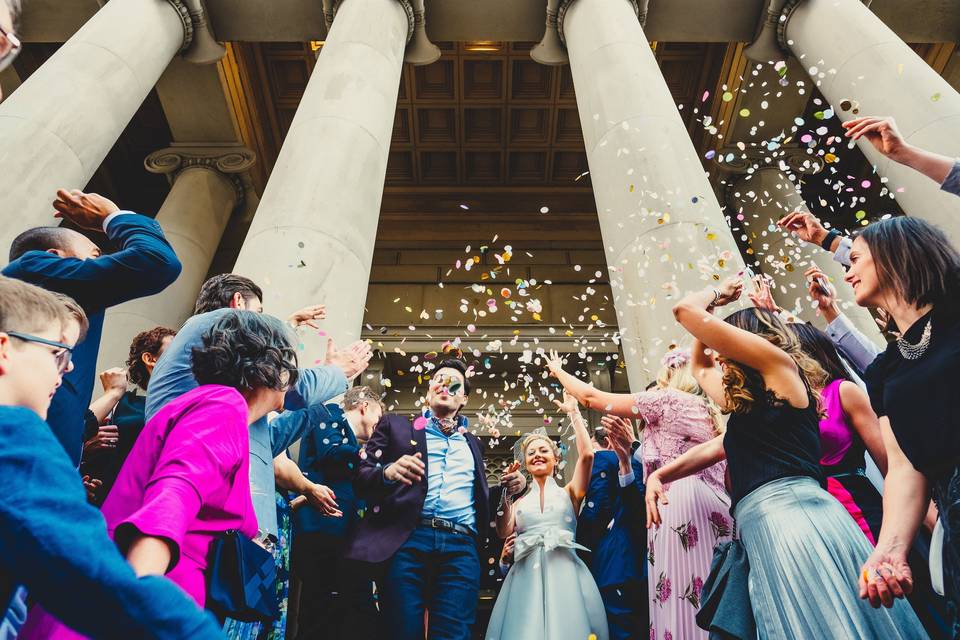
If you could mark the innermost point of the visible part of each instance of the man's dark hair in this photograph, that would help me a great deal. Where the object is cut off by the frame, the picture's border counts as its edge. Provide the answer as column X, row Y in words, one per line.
column 218, row 291
column 39, row 239
column 600, row 435
column 459, row 365
column 246, row 350
column 151, row 342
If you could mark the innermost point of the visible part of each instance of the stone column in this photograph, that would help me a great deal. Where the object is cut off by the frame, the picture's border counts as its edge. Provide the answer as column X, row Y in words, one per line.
column 59, row 125
column 760, row 197
column 206, row 189
column 863, row 68
column 661, row 223
column 312, row 238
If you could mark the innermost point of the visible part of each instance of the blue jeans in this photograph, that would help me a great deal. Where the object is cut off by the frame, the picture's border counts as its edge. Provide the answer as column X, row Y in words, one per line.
column 436, row 571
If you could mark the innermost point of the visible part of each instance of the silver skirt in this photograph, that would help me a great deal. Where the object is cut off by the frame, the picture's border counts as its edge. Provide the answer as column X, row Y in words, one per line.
column 805, row 554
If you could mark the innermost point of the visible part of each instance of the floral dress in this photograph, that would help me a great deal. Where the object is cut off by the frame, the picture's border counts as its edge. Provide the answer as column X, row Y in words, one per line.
column 693, row 522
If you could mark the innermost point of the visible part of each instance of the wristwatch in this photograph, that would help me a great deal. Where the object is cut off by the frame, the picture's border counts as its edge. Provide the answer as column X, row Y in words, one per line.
column 634, row 446
column 829, row 238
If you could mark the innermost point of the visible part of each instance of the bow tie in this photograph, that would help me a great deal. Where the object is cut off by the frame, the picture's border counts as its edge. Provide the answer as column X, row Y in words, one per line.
column 447, row 425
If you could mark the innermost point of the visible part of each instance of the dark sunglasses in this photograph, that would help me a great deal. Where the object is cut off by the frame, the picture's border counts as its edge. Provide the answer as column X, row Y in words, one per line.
column 63, row 354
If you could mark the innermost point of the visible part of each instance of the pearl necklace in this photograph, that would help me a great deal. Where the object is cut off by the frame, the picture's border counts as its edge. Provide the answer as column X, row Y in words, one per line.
column 914, row 351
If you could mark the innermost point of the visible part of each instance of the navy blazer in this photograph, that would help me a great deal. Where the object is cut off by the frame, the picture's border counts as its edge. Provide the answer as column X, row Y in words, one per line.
column 144, row 265
column 394, row 510
column 330, row 455
column 619, row 549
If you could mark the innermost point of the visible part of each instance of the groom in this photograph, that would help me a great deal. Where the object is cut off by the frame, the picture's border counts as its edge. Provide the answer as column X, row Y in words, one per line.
column 427, row 513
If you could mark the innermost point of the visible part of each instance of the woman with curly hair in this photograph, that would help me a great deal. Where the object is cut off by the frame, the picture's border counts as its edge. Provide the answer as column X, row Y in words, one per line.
column 186, row 480
column 105, row 452
column 804, row 549
column 678, row 416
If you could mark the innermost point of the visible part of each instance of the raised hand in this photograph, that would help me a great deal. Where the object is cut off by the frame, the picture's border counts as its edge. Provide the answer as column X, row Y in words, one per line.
column 86, row 210
column 307, row 315
column 762, row 295
column 805, row 225
column 554, row 362
column 353, row 360
column 819, row 287
column 730, row 290
column 114, row 380
column 407, row 469
column 881, row 132
column 569, row 404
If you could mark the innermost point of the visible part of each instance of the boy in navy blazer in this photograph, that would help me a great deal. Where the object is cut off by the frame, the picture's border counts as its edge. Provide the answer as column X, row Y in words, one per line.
column 62, row 260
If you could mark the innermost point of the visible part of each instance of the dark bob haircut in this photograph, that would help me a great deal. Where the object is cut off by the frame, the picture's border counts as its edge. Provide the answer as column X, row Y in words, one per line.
column 914, row 260
column 150, row 341
column 218, row 291
column 459, row 365
column 246, row 350
column 817, row 345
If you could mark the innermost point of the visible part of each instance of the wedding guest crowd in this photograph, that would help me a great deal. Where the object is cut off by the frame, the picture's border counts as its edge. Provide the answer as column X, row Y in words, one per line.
column 740, row 509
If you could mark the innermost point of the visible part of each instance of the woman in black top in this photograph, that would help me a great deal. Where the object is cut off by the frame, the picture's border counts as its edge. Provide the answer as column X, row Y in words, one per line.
column 909, row 268
column 804, row 549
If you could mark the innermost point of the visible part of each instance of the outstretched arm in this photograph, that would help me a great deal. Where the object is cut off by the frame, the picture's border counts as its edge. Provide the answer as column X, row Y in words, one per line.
column 621, row 404
column 578, row 485
column 775, row 365
column 695, row 459
column 882, row 133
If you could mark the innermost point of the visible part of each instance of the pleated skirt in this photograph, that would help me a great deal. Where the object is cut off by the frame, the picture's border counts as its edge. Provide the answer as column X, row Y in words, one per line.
column 805, row 554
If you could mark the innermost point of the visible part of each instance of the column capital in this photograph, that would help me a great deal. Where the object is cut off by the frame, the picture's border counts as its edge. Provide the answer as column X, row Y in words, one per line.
column 199, row 45
column 228, row 160
column 771, row 41
column 420, row 50
column 789, row 159
column 639, row 8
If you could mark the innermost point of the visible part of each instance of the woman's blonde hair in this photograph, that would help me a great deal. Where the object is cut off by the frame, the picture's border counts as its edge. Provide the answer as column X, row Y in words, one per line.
column 677, row 374
column 743, row 386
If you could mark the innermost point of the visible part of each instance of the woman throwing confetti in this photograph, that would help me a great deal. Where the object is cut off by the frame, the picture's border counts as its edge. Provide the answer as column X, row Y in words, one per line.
column 804, row 550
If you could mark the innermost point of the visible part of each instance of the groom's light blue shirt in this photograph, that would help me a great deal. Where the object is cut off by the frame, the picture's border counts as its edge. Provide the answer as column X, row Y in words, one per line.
column 450, row 477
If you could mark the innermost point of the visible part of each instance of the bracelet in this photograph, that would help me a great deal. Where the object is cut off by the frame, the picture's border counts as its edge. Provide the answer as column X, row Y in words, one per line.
column 832, row 235
column 716, row 299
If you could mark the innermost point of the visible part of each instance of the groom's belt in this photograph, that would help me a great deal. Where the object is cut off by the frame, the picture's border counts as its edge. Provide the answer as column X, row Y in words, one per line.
column 445, row 525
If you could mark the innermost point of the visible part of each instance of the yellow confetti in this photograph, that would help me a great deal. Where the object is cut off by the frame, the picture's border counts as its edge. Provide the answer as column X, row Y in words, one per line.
column 829, row 158
column 744, row 113
column 727, row 96
column 631, row 188
column 711, row 236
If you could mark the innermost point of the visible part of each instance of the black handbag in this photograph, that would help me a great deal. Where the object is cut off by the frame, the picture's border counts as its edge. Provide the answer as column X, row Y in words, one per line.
column 242, row 580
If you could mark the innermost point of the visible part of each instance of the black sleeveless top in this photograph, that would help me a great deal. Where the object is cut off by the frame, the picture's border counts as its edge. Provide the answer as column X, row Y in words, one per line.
column 772, row 441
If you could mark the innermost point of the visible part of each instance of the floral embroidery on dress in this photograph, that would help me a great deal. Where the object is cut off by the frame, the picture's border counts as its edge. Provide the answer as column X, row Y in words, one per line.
column 667, row 635
column 719, row 524
column 692, row 593
column 688, row 535
column 664, row 589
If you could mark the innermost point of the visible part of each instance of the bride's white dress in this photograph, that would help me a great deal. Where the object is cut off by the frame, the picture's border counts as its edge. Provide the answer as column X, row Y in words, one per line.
column 549, row 594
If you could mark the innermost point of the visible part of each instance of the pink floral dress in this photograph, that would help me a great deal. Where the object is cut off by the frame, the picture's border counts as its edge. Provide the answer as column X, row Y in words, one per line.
column 695, row 519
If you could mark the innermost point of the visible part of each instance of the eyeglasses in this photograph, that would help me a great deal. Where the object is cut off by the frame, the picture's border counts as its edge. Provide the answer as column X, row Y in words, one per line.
column 63, row 354
column 10, row 47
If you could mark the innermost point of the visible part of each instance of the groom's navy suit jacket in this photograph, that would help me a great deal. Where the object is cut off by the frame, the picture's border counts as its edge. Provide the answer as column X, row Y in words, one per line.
column 393, row 510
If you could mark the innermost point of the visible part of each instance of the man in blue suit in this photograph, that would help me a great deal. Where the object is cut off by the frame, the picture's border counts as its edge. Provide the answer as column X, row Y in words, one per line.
column 613, row 525
column 64, row 261
column 336, row 594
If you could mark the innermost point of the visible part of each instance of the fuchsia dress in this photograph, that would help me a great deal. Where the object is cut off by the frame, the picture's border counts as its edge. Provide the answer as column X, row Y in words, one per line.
column 695, row 519
column 841, row 457
column 187, row 481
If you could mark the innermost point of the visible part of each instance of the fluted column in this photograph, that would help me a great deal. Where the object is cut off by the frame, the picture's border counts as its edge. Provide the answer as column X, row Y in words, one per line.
column 757, row 199
column 59, row 125
column 864, row 68
column 313, row 236
column 206, row 189
column 661, row 224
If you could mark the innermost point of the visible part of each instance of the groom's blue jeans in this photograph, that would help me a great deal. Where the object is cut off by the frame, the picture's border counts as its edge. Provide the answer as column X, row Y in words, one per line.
column 436, row 571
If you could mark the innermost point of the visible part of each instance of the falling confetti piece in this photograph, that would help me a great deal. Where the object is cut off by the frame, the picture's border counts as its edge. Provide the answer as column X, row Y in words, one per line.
column 935, row 97
column 744, row 113
column 861, row 214
column 544, row 209
column 727, row 96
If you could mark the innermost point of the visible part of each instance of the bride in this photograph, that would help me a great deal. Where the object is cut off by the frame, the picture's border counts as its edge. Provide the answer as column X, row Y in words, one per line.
column 549, row 593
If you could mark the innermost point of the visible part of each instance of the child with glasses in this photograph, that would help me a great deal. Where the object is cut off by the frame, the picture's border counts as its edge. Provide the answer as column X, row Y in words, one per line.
column 53, row 545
